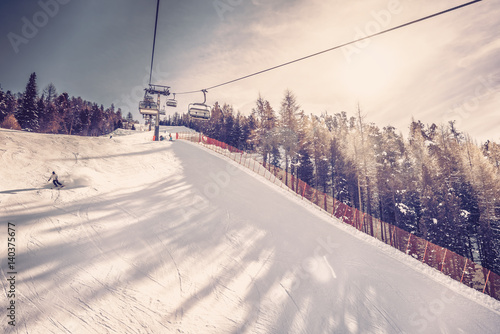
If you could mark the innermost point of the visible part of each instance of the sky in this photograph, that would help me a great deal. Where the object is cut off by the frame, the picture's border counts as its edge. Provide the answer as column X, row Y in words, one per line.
column 441, row 69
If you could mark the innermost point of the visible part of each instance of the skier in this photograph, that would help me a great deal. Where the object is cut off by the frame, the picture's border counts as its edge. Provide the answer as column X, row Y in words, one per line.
column 54, row 179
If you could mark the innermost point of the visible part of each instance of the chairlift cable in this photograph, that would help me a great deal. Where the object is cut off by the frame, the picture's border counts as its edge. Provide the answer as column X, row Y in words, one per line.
column 154, row 42
column 338, row 46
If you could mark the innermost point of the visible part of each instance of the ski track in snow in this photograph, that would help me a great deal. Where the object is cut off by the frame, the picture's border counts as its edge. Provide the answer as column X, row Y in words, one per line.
column 170, row 237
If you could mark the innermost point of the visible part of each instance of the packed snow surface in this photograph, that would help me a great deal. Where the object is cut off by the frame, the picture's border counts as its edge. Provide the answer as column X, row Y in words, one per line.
column 170, row 237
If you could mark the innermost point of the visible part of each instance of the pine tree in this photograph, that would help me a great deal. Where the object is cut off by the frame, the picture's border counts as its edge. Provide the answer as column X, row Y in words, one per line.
column 41, row 111
column 343, row 173
column 96, row 120
column 119, row 119
column 288, row 129
column 237, row 132
column 50, row 93
column 305, row 168
column 319, row 143
column 51, row 119
column 228, row 130
column 3, row 106
column 11, row 103
column 27, row 114
column 487, row 187
column 265, row 136
column 130, row 117
column 389, row 152
column 64, row 114
column 275, row 156
column 249, row 126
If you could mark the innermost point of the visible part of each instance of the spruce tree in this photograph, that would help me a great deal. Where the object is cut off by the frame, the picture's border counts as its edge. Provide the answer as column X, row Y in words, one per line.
column 27, row 114
column 40, row 106
column 130, row 118
column 305, row 166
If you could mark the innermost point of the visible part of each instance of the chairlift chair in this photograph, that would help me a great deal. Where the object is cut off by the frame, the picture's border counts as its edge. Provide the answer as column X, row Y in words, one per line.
column 172, row 102
column 199, row 111
column 148, row 106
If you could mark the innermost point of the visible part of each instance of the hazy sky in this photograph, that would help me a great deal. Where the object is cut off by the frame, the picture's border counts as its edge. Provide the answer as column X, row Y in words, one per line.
column 445, row 68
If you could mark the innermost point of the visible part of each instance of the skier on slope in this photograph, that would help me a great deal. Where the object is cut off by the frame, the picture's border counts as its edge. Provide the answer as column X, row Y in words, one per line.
column 54, row 179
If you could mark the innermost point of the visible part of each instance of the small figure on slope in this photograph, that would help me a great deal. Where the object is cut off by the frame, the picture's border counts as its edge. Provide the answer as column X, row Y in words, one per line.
column 54, row 179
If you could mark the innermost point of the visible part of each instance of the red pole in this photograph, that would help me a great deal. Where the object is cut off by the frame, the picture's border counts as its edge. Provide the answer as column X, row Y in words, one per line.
column 408, row 244
column 463, row 272
column 382, row 230
column 425, row 252
column 444, row 257
column 487, row 279
column 393, row 236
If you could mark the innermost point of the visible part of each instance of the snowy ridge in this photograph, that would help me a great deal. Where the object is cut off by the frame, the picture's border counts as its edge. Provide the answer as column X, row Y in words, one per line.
column 170, row 237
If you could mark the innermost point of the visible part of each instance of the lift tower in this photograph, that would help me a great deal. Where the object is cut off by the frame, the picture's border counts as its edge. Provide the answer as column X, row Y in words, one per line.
column 150, row 108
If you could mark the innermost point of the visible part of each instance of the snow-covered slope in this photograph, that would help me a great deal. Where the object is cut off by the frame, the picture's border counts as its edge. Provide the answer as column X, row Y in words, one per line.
column 169, row 237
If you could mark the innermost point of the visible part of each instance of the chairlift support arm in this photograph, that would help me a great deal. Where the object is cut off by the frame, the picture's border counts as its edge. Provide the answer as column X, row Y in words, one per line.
column 204, row 95
column 158, row 89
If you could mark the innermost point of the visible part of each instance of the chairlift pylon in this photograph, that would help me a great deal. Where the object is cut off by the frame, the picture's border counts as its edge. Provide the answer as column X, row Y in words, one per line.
column 200, row 111
column 148, row 106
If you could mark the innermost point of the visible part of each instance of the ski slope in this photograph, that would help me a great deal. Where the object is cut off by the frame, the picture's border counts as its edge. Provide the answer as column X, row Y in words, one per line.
column 170, row 237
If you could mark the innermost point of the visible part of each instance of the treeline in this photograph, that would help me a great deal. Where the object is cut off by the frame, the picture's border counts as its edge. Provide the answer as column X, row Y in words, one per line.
column 56, row 113
column 436, row 183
